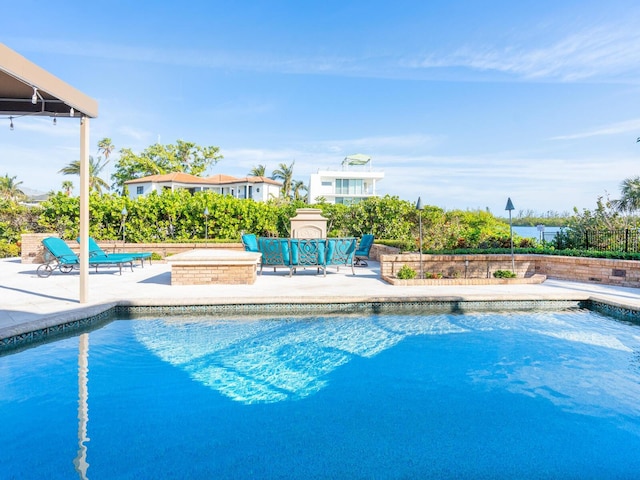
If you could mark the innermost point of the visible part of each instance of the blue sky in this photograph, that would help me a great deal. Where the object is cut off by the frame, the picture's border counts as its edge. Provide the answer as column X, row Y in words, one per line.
column 463, row 103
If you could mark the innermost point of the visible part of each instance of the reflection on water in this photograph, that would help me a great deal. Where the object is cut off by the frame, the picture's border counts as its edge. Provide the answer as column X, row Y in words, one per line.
column 80, row 462
column 267, row 361
column 271, row 361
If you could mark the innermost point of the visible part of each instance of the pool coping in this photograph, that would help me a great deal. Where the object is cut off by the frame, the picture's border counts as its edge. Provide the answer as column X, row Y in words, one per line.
column 75, row 321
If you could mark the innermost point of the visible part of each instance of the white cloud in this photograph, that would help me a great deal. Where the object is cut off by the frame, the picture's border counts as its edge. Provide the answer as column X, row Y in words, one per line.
column 610, row 51
column 602, row 52
column 612, row 129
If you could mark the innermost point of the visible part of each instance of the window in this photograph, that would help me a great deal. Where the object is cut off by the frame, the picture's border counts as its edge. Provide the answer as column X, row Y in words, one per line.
column 346, row 186
column 139, row 190
column 327, row 183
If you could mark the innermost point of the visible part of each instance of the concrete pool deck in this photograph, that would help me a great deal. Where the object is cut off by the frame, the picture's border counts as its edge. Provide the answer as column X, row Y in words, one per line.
column 29, row 303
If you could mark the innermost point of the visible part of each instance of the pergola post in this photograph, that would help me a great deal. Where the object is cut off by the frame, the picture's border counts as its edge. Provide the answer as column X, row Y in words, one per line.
column 84, row 209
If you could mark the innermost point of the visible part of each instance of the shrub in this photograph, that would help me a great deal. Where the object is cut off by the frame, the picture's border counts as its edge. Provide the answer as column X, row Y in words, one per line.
column 433, row 275
column 406, row 273
column 504, row 274
column 9, row 250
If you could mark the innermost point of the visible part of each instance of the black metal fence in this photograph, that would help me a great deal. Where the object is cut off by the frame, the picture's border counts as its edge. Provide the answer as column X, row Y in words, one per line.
column 619, row 240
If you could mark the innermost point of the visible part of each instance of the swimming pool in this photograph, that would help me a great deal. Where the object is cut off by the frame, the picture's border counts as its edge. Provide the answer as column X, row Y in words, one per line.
column 476, row 395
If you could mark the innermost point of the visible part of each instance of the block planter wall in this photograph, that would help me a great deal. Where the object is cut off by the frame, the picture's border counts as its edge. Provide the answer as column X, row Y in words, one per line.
column 458, row 266
column 624, row 273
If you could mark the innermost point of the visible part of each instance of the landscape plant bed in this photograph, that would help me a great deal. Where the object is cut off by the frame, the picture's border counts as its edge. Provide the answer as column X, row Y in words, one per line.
column 534, row 279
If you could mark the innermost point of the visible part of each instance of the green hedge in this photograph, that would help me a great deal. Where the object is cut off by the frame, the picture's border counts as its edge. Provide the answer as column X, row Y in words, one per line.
column 179, row 217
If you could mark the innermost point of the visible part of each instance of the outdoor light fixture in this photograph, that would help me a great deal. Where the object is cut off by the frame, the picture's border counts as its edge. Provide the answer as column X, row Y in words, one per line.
column 72, row 112
column 124, row 223
column 34, row 97
column 540, row 228
column 419, row 207
column 10, row 123
column 55, row 121
column 510, row 207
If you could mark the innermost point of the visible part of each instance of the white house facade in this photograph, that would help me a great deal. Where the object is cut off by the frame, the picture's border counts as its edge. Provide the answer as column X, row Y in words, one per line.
column 350, row 184
column 259, row 189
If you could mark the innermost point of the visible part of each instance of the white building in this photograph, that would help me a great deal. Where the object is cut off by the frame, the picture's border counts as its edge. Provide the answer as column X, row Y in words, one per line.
column 259, row 189
column 350, row 184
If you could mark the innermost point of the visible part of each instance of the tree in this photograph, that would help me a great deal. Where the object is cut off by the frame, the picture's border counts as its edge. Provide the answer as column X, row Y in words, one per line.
column 630, row 195
column 284, row 173
column 96, row 184
column 106, row 147
column 67, row 187
column 159, row 159
column 298, row 188
column 9, row 188
column 259, row 171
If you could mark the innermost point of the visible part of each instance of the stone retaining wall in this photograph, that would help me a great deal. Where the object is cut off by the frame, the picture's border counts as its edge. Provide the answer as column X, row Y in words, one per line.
column 592, row 270
column 31, row 247
column 378, row 250
column 581, row 269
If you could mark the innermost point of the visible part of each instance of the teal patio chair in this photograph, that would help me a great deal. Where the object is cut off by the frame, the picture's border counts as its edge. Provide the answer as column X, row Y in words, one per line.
column 309, row 252
column 58, row 256
column 95, row 250
column 362, row 252
column 341, row 251
column 250, row 242
column 276, row 252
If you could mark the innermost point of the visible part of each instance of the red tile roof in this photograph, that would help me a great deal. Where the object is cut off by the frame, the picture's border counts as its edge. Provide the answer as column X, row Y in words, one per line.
column 219, row 179
column 178, row 177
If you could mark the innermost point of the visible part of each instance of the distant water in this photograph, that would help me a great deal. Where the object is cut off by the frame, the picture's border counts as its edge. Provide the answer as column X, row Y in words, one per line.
column 532, row 232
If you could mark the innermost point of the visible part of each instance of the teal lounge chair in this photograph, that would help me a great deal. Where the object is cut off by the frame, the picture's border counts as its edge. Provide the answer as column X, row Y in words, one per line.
column 362, row 252
column 58, row 256
column 94, row 249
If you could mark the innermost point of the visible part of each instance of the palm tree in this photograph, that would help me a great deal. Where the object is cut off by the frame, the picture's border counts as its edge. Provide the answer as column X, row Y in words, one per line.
column 106, row 147
column 67, row 187
column 9, row 188
column 95, row 167
column 630, row 195
column 259, row 171
column 630, row 199
column 298, row 188
column 285, row 174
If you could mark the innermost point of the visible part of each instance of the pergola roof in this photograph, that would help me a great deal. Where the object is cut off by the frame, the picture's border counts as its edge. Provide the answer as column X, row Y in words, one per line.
column 18, row 79
column 25, row 90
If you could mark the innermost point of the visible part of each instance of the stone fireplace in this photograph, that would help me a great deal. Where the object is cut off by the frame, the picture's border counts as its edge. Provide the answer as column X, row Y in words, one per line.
column 308, row 223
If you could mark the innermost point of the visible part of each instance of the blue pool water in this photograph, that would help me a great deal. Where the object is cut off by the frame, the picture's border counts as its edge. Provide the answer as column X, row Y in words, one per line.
column 486, row 395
